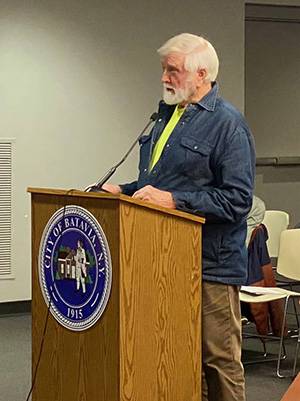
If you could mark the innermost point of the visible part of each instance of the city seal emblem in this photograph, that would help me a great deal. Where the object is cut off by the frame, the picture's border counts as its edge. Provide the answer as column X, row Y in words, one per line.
column 75, row 268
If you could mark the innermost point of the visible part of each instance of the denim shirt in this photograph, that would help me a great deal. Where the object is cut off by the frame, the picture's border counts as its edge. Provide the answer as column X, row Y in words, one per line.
column 208, row 164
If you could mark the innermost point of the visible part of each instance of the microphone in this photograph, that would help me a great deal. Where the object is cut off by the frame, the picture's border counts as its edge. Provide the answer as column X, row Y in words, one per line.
column 97, row 187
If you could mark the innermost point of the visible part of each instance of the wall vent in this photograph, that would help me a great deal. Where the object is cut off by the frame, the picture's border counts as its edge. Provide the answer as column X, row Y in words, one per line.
column 5, row 207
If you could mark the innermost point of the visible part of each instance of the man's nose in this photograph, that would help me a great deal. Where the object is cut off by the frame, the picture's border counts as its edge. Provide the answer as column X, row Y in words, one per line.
column 164, row 77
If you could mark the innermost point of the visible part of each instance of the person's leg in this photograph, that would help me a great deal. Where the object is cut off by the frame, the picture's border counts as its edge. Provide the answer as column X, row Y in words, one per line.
column 78, row 276
column 221, row 343
column 204, row 387
column 83, row 284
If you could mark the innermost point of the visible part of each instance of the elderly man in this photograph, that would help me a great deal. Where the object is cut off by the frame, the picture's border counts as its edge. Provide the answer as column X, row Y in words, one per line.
column 200, row 158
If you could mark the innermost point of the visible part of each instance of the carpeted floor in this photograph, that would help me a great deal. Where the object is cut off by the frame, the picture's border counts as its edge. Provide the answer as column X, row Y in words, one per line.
column 15, row 364
column 15, row 357
column 262, row 384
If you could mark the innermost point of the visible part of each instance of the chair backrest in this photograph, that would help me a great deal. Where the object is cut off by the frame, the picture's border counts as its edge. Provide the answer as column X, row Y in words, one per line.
column 288, row 263
column 276, row 221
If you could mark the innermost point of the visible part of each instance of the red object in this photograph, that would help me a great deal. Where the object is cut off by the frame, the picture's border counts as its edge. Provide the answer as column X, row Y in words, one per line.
column 293, row 392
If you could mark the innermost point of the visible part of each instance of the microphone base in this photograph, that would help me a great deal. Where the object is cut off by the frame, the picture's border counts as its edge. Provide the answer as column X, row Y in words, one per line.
column 95, row 189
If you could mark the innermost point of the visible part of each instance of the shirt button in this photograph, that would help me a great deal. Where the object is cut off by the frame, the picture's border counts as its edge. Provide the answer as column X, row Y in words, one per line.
column 195, row 147
column 167, row 145
column 145, row 169
column 159, row 120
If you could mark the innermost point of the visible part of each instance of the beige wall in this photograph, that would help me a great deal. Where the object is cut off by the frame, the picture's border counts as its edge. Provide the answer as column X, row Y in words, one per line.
column 79, row 80
column 272, row 103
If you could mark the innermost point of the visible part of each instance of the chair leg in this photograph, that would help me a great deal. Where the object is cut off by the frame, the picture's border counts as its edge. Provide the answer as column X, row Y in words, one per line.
column 298, row 341
column 281, row 346
column 296, row 355
column 265, row 347
column 295, row 308
column 284, row 351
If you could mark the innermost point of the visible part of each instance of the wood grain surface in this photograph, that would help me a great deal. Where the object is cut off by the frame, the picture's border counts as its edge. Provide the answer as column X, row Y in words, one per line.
column 76, row 366
column 121, row 197
column 159, row 307
column 147, row 344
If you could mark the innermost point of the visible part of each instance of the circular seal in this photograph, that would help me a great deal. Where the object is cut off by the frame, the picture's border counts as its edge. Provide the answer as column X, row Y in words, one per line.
column 75, row 268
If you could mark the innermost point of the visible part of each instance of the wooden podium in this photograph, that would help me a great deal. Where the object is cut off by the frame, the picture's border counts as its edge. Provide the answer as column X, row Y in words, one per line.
column 147, row 344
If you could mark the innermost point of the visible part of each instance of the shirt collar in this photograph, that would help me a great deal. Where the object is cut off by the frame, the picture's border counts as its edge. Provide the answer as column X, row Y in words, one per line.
column 208, row 102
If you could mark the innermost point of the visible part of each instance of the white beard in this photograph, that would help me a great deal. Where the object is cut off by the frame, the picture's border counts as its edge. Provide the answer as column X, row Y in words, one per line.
column 178, row 96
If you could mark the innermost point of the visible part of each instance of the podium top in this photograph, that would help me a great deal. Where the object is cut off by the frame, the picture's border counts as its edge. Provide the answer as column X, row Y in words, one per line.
column 121, row 197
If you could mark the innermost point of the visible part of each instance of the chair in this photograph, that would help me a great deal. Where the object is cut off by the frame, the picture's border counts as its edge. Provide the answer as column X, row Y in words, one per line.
column 276, row 221
column 288, row 266
column 266, row 316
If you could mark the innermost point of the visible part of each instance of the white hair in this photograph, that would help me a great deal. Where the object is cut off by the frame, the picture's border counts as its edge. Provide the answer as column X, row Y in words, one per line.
column 199, row 53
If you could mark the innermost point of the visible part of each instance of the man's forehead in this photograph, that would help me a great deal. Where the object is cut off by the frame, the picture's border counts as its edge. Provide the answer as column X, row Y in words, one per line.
column 176, row 59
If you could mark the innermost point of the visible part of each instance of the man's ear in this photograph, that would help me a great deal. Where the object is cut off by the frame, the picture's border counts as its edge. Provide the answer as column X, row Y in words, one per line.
column 202, row 73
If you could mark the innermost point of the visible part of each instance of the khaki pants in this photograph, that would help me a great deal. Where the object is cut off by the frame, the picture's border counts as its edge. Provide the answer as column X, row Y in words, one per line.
column 223, row 373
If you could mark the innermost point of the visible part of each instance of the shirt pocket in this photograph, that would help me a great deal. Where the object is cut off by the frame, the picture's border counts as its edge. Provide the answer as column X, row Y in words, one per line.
column 197, row 157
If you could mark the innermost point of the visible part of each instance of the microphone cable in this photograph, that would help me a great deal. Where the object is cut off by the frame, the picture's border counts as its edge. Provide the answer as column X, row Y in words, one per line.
column 90, row 188
column 69, row 192
column 98, row 185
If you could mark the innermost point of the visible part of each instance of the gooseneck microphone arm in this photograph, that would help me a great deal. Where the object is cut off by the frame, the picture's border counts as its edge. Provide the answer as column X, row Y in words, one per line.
column 97, row 187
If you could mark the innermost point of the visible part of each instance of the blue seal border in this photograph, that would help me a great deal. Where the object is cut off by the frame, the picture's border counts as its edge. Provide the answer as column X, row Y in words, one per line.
column 97, row 313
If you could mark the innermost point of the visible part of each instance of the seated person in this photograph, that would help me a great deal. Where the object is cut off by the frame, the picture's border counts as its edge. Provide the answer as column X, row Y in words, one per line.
column 255, row 216
column 266, row 316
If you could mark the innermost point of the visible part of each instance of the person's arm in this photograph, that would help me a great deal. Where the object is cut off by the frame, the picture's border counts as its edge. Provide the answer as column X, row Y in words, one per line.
column 111, row 188
column 128, row 189
column 156, row 196
column 232, row 199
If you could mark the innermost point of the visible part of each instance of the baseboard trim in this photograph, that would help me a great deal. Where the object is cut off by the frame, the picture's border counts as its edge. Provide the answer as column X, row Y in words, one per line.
column 11, row 308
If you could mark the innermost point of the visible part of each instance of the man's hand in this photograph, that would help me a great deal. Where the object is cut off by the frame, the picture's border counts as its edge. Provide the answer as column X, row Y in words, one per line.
column 156, row 196
column 113, row 189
